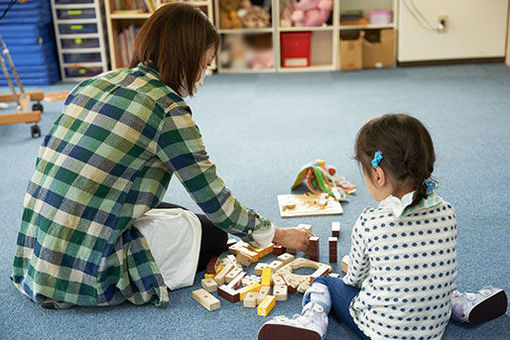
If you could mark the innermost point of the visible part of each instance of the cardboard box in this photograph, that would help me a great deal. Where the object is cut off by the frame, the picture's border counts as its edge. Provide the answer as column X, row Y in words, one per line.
column 379, row 48
column 350, row 56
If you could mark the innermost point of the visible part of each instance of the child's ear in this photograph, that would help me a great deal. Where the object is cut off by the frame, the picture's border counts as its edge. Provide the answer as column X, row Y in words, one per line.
column 379, row 176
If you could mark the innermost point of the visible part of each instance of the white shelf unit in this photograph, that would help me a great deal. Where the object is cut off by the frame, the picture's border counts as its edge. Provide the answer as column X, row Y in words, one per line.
column 116, row 22
column 80, row 38
column 324, row 41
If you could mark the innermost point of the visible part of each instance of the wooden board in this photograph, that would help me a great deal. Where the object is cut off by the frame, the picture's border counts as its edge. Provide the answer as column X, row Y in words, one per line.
column 308, row 205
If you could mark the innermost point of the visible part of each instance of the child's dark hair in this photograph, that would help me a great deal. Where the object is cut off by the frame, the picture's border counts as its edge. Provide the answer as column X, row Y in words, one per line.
column 407, row 150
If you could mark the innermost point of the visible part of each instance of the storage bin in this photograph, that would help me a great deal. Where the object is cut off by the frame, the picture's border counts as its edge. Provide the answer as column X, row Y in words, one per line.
column 78, row 71
column 77, row 28
column 351, row 51
column 296, row 49
column 70, row 58
column 78, row 43
column 68, row 14
column 381, row 17
column 379, row 48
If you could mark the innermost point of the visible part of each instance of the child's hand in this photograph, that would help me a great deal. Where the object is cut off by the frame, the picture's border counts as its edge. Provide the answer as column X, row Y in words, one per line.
column 294, row 238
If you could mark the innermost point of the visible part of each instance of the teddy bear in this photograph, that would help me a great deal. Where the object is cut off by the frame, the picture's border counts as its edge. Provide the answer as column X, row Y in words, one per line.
column 306, row 13
column 253, row 16
column 228, row 14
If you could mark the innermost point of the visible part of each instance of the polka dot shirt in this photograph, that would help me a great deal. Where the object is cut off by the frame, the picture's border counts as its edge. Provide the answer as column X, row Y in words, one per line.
column 405, row 267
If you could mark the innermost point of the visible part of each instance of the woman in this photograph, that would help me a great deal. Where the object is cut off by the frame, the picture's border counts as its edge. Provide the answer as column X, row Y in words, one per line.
column 108, row 160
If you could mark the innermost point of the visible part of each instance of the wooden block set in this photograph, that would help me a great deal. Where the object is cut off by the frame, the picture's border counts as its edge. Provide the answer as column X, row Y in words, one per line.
column 313, row 248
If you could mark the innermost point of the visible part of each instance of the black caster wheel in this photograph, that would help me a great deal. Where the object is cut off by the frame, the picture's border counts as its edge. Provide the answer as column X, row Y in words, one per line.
column 37, row 107
column 35, row 131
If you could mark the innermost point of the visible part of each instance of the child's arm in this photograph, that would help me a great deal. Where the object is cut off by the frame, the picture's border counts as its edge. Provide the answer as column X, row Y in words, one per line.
column 358, row 258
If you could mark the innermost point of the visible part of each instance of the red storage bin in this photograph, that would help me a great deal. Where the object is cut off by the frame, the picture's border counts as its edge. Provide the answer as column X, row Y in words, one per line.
column 295, row 49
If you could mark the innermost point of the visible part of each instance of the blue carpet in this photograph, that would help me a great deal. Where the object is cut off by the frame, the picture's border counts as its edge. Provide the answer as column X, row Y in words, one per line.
column 259, row 130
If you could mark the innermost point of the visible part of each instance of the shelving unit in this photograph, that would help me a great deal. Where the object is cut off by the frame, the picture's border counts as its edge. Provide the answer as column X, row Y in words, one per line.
column 118, row 21
column 324, row 49
column 80, row 38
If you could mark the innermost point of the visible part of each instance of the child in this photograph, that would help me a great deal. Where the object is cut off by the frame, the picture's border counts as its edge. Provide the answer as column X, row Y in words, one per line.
column 402, row 262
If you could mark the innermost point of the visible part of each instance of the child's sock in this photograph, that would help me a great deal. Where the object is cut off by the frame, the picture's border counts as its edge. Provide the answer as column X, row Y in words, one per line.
column 479, row 307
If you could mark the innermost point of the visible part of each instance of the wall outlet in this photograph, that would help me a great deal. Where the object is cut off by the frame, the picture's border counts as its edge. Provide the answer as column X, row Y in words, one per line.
column 442, row 23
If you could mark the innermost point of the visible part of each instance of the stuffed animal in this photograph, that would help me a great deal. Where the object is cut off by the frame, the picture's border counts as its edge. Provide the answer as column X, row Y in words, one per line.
column 228, row 14
column 235, row 54
column 306, row 13
column 262, row 59
column 253, row 16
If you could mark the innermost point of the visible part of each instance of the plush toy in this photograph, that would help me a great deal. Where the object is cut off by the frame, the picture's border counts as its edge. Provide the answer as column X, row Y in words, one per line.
column 228, row 14
column 262, row 59
column 253, row 16
column 306, row 13
column 324, row 179
column 236, row 53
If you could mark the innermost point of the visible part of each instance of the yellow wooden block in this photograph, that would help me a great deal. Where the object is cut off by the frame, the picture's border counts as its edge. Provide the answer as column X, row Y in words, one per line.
column 266, row 277
column 208, row 276
column 266, row 305
column 254, row 287
column 254, row 257
column 219, row 269
column 264, row 251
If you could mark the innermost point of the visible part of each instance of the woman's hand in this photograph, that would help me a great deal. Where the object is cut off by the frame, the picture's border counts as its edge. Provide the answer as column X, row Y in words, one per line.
column 293, row 238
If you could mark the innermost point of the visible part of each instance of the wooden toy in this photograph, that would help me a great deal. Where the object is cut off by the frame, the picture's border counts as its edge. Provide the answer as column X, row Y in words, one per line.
column 220, row 277
column 303, row 286
column 292, row 251
column 313, row 248
column 275, row 265
column 205, row 298
column 250, row 300
column 308, row 205
column 233, row 274
column 266, row 305
column 233, row 249
column 254, row 287
column 210, row 269
column 345, row 263
column 335, row 229
column 278, row 249
column 231, row 242
column 295, row 280
column 209, row 284
column 218, row 269
column 243, row 259
column 291, row 288
column 264, row 251
column 266, row 276
column 254, row 257
column 333, row 246
column 236, row 281
column 263, row 292
column 285, row 258
column 208, row 276
column 251, row 279
column 228, row 293
column 280, row 292
column 259, row 267
column 319, row 272
column 277, row 279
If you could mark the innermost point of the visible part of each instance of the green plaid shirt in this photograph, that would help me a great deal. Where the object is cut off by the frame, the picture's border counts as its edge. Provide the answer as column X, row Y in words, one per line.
column 107, row 160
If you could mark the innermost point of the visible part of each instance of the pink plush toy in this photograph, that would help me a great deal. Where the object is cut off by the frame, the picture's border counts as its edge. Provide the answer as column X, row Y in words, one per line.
column 306, row 13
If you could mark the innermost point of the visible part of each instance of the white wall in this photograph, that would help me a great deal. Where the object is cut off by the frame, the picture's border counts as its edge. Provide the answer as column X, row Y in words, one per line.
column 477, row 29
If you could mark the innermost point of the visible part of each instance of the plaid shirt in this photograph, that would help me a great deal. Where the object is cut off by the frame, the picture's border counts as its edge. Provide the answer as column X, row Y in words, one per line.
column 107, row 160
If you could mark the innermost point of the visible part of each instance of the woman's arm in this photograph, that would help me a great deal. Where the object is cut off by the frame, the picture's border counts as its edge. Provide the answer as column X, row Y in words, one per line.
column 181, row 149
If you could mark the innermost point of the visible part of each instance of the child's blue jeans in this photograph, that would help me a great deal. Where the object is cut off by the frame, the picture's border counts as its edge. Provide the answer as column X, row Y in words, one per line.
column 341, row 297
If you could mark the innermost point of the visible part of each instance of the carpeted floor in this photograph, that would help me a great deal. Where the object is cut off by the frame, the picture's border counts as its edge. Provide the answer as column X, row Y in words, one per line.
column 259, row 130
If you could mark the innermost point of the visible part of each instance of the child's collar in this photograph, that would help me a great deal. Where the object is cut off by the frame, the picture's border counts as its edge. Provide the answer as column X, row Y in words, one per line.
column 400, row 206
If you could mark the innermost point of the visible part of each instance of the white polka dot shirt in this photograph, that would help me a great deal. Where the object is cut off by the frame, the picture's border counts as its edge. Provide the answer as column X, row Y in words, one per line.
column 405, row 267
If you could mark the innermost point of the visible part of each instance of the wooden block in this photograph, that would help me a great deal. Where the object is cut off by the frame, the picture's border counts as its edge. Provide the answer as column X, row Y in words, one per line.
column 254, row 287
column 264, row 251
column 220, row 277
column 235, row 282
column 259, row 267
column 292, row 251
column 209, row 284
column 248, row 280
column 233, row 274
column 313, row 248
column 231, row 242
column 233, row 249
column 250, row 300
column 335, row 229
column 275, row 265
column 277, row 279
column 218, row 269
column 243, row 259
column 333, row 254
column 280, row 292
column 278, row 249
column 290, row 288
column 319, row 272
column 211, row 265
column 205, row 298
column 227, row 293
column 266, row 305
column 266, row 276
column 254, row 257
column 285, row 258
column 263, row 292
column 208, row 276
column 345, row 263
column 303, row 287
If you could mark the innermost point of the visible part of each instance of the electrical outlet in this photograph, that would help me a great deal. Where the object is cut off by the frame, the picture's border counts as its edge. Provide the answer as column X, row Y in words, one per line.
column 442, row 23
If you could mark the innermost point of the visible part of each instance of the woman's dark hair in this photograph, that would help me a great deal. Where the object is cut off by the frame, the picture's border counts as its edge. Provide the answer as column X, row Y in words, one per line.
column 407, row 150
column 174, row 40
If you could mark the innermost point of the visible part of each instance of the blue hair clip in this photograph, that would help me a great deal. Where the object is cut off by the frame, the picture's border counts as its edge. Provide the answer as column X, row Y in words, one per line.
column 377, row 159
column 431, row 183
